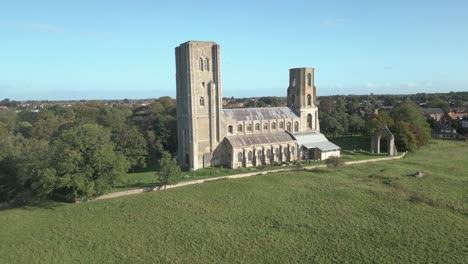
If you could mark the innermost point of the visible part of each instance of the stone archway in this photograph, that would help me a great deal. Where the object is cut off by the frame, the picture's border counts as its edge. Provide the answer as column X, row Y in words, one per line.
column 375, row 143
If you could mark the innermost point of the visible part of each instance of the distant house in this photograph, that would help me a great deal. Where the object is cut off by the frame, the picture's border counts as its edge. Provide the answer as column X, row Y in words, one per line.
column 435, row 113
column 446, row 131
column 387, row 108
column 457, row 115
column 3, row 107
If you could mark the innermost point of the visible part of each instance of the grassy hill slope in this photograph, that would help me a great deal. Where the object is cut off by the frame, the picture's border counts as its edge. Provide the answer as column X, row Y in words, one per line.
column 373, row 212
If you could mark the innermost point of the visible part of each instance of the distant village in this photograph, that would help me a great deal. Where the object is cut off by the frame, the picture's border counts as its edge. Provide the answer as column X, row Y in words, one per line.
column 447, row 113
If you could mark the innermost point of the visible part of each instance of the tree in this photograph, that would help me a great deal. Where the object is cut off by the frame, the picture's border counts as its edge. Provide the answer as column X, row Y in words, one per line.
column 327, row 105
column 131, row 143
column 409, row 120
column 334, row 161
column 19, row 158
column 330, row 125
column 437, row 102
column 356, row 124
column 169, row 172
column 82, row 163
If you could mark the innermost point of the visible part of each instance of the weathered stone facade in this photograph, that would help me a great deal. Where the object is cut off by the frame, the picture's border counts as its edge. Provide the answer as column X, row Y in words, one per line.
column 209, row 135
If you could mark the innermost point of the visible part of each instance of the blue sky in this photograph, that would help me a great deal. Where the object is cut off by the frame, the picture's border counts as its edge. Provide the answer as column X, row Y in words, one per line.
column 125, row 49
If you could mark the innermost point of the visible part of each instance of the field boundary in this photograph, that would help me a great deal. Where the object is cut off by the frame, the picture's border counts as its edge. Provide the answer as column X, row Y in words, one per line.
column 235, row 176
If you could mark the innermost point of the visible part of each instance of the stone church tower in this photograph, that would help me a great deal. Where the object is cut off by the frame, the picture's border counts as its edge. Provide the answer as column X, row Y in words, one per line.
column 199, row 103
column 302, row 98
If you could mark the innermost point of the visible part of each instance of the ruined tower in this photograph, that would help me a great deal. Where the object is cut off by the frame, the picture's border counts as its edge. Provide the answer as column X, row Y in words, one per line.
column 199, row 102
column 302, row 98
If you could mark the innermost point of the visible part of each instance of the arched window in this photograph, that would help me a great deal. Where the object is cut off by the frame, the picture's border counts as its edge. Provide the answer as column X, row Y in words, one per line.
column 309, row 121
column 200, row 64
column 277, row 153
column 281, row 125
column 257, row 126
column 207, row 64
column 230, row 130
column 273, row 125
column 202, row 101
column 293, row 99
column 249, row 127
column 292, row 151
column 240, row 157
column 296, row 127
column 203, row 84
column 268, row 154
column 309, row 100
column 250, row 156
column 309, row 79
column 265, row 126
column 259, row 155
column 288, row 127
column 239, row 128
column 293, row 82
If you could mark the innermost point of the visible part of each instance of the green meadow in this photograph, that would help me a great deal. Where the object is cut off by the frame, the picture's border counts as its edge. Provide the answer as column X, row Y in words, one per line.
column 376, row 212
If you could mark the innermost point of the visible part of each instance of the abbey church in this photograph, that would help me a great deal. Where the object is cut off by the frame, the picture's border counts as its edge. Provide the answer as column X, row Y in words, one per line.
column 209, row 135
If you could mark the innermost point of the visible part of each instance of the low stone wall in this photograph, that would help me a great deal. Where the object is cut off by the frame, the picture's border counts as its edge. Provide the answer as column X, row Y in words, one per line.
column 235, row 176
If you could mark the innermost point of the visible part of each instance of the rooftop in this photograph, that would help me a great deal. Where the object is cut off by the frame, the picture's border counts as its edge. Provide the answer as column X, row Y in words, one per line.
column 261, row 113
column 432, row 111
column 315, row 140
column 259, row 139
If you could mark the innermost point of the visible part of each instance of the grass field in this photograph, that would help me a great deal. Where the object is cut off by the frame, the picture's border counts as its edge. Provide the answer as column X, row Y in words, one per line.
column 375, row 212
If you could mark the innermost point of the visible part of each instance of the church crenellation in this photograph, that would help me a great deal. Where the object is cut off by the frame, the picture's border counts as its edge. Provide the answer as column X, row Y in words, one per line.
column 209, row 135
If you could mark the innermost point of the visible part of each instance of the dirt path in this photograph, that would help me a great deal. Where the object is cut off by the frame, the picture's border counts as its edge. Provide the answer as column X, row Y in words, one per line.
column 236, row 176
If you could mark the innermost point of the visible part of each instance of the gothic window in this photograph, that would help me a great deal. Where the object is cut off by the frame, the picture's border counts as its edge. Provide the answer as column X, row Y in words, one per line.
column 288, row 128
column 292, row 151
column 265, row 126
column 294, row 82
column 250, row 156
column 200, row 64
column 249, row 127
column 203, row 84
column 273, row 125
column 268, row 153
column 259, row 155
column 240, row 157
column 257, row 126
column 293, row 98
column 309, row 100
column 277, row 153
column 207, row 64
column 309, row 121
column 296, row 127
column 281, row 125
column 309, row 79
column 230, row 130
column 239, row 128
column 202, row 101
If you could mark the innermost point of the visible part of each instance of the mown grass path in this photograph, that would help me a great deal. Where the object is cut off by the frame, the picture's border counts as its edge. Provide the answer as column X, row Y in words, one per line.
column 372, row 213
column 234, row 176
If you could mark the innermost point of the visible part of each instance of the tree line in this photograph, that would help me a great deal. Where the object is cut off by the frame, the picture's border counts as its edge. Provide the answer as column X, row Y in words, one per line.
column 81, row 150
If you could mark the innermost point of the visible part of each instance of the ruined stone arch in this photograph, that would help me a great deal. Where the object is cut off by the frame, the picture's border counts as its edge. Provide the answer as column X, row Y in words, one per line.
column 375, row 143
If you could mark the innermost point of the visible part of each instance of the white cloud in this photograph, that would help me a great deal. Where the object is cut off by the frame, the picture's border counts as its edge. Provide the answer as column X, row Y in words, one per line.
column 372, row 85
column 410, row 84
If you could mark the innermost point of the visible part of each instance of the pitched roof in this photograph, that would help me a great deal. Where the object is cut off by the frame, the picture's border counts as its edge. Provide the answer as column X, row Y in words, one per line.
column 262, row 113
column 315, row 140
column 258, row 139
column 432, row 111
